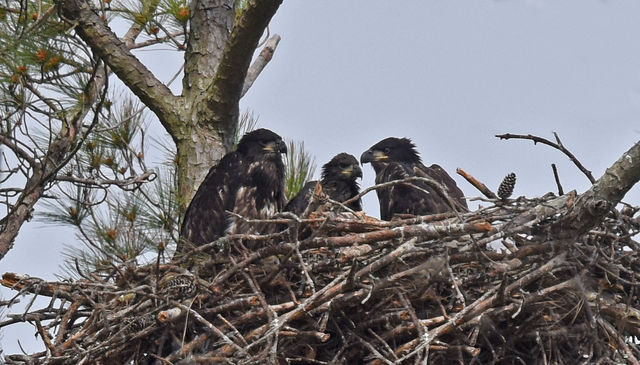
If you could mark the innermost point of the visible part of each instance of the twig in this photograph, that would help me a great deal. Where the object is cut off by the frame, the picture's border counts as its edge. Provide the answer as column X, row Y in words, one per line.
column 557, row 146
column 260, row 63
column 557, row 178
column 477, row 184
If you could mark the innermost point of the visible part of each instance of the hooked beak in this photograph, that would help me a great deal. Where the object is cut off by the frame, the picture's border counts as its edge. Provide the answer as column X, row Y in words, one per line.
column 356, row 171
column 276, row 147
column 372, row 156
column 352, row 170
column 367, row 156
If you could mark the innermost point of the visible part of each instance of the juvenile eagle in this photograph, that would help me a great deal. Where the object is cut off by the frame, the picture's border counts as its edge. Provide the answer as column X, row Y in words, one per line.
column 395, row 159
column 338, row 181
column 248, row 181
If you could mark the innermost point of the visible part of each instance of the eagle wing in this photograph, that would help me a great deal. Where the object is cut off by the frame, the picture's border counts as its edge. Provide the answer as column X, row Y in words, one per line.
column 415, row 198
column 205, row 219
column 437, row 173
column 298, row 204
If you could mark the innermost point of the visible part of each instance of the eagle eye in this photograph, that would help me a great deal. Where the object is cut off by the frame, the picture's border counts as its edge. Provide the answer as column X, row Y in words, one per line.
column 387, row 150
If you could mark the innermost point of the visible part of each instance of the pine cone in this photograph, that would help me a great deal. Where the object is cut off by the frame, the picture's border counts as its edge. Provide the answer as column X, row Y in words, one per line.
column 506, row 186
column 138, row 324
column 177, row 286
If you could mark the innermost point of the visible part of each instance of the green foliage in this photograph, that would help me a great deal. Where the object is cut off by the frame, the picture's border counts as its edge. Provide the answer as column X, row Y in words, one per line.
column 43, row 68
column 117, row 222
column 300, row 167
column 130, row 227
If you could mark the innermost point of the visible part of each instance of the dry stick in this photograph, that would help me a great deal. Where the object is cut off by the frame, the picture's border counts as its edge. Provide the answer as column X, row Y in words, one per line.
column 210, row 327
column 65, row 321
column 414, row 318
column 557, row 178
column 272, row 316
column 557, row 146
column 187, row 348
column 373, row 350
column 305, row 267
column 454, row 281
column 486, row 301
column 423, row 231
column 384, row 343
column 401, row 330
column 477, row 184
column 44, row 335
column 621, row 342
column 233, row 328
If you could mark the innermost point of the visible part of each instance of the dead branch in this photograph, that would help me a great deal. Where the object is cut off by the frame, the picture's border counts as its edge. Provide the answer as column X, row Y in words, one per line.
column 477, row 184
column 559, row 146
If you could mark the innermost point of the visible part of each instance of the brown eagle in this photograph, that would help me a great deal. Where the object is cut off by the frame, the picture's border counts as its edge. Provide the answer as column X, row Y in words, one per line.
column 338, row 181
column 248, row 181
column 395, row 159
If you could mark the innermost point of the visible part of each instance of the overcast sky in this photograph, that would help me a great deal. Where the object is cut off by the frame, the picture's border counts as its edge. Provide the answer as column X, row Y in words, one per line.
column 450, row 74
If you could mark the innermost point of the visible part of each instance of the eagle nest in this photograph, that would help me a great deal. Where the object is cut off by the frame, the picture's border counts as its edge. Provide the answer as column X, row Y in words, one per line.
column 509, row 283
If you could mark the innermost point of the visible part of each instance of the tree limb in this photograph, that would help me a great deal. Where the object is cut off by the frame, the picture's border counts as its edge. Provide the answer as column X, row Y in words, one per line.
column 115, row 53
column 260, row 63
column 605, row 194
column 227, row 86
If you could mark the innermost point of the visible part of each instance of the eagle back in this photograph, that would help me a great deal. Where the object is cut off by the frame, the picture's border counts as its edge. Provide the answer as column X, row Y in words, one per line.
column 405, row 198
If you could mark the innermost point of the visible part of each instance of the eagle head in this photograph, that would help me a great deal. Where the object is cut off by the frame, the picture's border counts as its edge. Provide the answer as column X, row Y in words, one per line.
column 343, row 166
column 391, row 149
column 261, row 141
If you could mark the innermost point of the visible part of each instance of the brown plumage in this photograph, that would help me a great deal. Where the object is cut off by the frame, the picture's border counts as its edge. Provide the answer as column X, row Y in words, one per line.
column 395, row 159
column 248, row 182
column 338, row 182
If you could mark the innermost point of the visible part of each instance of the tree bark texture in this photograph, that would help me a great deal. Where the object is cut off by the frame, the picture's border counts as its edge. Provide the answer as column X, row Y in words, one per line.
column 605, row 194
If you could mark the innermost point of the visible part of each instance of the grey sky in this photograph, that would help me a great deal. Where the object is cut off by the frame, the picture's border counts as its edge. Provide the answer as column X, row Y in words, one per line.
column 450, row 74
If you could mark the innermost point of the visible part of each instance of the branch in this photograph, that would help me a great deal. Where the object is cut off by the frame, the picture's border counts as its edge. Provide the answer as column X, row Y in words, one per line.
column 232, row 71
column 603, row 195
column 557, row 178
column 115, row 53
column 132, row 180
column 477, row 184
column 557, row 146
column 260, row 63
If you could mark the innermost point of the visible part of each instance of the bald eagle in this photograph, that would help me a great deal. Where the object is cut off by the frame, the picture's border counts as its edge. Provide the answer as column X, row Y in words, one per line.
column 248, row 181
column 395, row 159
column 338, row 181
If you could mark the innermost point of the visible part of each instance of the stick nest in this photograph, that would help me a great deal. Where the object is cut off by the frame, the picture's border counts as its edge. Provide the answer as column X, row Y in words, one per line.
column 498, row 285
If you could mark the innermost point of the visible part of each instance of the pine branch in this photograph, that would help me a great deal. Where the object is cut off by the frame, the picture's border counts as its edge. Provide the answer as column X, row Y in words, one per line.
column 115, row 53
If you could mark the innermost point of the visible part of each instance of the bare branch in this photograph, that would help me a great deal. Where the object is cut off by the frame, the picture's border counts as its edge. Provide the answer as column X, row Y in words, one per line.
column 557, row 146
column 477, row 184
column 260, row 63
